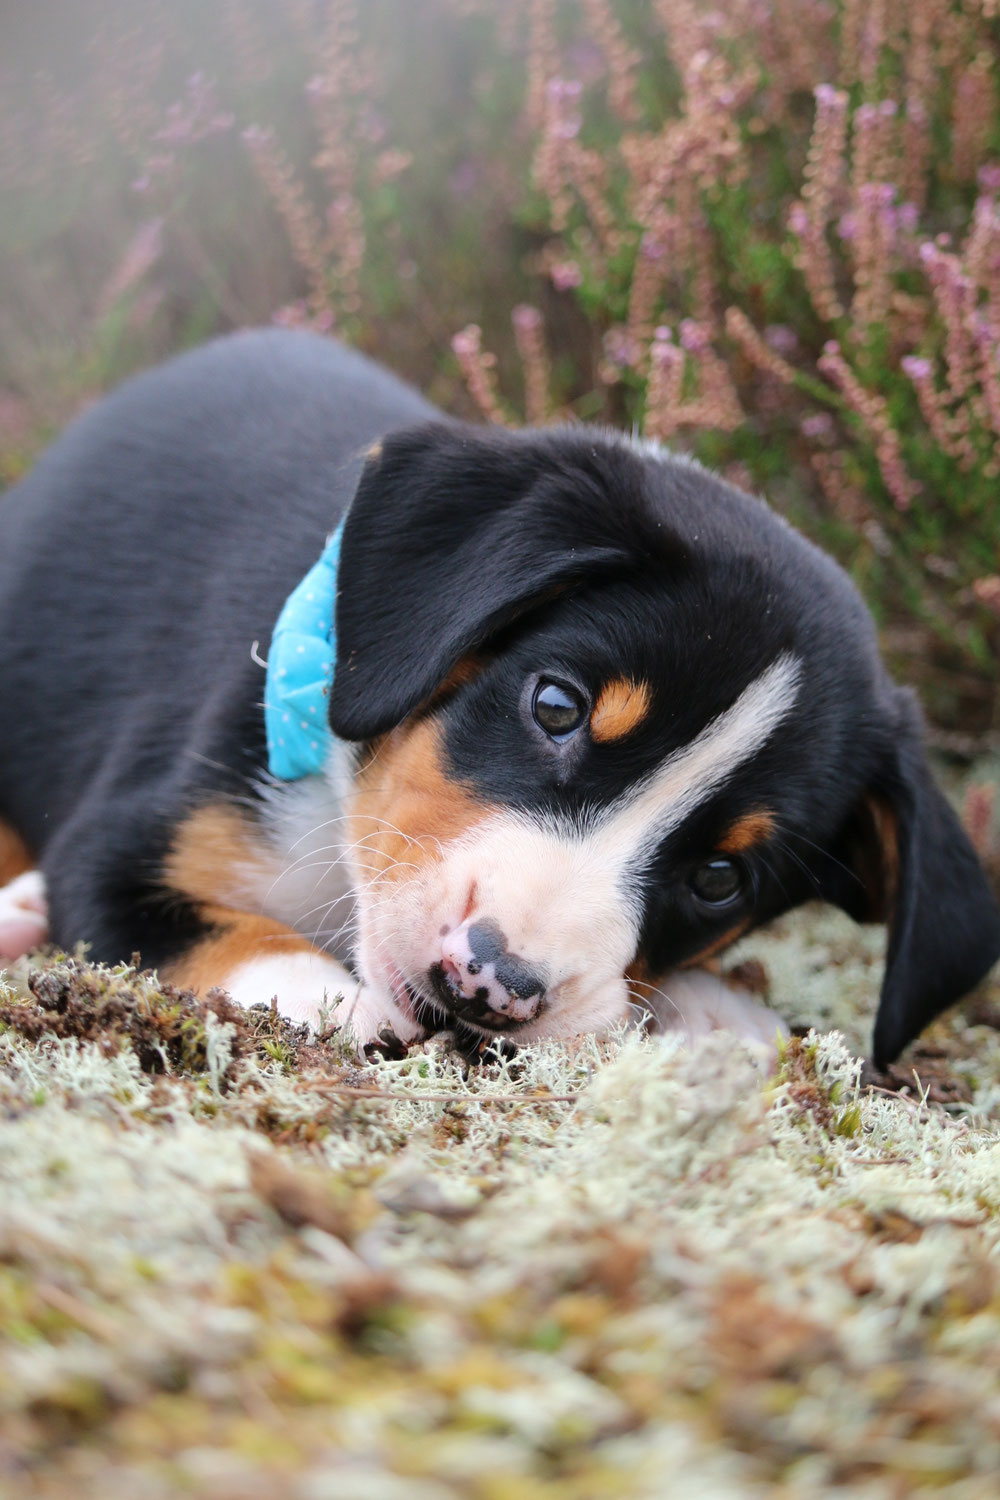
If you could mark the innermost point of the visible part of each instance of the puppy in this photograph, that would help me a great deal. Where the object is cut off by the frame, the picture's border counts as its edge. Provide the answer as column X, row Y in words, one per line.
column 311, row 692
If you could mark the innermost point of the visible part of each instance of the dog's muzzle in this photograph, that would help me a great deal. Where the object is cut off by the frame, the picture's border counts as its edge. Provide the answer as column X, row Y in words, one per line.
column 480, row 981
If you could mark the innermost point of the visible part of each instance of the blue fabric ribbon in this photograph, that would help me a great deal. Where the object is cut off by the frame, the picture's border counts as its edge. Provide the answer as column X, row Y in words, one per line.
column 300, row 668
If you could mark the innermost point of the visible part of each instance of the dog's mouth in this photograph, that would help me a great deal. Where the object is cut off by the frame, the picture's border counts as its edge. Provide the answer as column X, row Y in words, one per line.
column 435, row 1004
column 471, row 1013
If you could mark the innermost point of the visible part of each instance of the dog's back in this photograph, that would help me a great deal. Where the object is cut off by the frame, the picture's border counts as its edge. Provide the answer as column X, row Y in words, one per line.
column 154, row 503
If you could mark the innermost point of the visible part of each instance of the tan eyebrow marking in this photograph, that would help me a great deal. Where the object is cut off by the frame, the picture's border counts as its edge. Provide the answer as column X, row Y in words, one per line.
column 753, row 828
column 621, row 706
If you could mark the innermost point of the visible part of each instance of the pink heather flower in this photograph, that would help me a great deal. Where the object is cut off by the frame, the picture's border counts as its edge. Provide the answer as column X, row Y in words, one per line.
column 619, row 347
column 525, row 318
column 887, row 108
column 781, row 338
column 292, row 315
column 693, row 337
column 559, row 89
column 467, row 341
column 663, row 352
column 195, row 117
column 567, row 127
column 825, row 93
column 663, row 334
column 987, row 591
column 908, row 216
column 565, row 274
column 337, row 211
column 916, row 367
column 587, row 60
column 564, row 95
column 798, row 219
column 877, row 194
column 989, row 177
column 847, row 226
column 819, row 427
column 140, row 255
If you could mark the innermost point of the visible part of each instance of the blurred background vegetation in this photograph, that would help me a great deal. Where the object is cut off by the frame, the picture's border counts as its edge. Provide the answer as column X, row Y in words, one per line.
column 765, row 230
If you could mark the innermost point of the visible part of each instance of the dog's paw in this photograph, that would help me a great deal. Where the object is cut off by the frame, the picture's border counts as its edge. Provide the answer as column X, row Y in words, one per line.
column 695, row 1002
column 312, row 988
column 24, row 915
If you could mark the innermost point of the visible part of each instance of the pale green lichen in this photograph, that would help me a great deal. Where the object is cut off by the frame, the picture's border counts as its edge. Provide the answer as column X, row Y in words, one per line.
column 622, row 1269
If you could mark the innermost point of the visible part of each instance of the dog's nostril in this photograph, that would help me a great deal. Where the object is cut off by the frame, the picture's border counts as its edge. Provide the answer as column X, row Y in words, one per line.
column 451, row 971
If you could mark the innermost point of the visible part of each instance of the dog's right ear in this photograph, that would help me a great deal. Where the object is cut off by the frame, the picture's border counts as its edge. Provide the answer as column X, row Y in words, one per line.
column 453, row 532
column 905, row 859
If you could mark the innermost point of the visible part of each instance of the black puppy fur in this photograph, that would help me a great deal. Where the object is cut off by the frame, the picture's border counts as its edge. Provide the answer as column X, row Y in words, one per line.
column 157, row 540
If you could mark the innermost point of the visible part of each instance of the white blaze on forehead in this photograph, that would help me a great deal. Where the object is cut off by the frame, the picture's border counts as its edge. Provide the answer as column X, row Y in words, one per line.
column 632, row 827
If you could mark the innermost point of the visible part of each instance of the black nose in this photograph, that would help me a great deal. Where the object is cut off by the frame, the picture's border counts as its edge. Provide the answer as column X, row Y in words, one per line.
column 479, row 979
column 490, row 995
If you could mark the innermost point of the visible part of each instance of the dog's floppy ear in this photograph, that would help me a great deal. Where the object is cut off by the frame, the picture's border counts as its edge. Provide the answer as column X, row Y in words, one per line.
column 454, row 531
column 906, row 860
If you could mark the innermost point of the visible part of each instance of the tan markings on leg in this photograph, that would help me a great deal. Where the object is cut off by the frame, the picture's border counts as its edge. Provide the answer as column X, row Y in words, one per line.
column 237, row 939
column 621, row 707
column 216, row 862
column 716, row 946
column 15, row 858
column 753, row 828
column 406, row 805
column 215, row 857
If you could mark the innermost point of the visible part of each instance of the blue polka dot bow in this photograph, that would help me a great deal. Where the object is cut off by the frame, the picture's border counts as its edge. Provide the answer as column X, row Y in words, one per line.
column 300, row 667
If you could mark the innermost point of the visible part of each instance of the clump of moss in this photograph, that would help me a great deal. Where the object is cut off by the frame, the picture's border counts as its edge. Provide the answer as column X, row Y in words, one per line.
column 813, row 1096
column 167, row 1028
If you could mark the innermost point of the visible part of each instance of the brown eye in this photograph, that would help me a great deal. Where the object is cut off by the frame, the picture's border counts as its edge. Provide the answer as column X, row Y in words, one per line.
column 558, row 709
column 718, row 882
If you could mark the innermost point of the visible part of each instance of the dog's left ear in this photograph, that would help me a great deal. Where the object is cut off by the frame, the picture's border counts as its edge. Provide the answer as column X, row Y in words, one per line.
column 454, row 531
column 905, row 859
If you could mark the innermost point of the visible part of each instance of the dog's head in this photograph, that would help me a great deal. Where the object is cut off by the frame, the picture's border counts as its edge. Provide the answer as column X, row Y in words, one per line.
column 611, row 714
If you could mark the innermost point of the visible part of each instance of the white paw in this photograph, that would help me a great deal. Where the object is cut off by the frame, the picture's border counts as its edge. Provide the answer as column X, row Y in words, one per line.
column 24, row 915
column 696, row 1003
column 310, row 987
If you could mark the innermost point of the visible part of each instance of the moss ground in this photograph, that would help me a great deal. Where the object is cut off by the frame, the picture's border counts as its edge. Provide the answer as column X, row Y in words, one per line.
column 234, row 1264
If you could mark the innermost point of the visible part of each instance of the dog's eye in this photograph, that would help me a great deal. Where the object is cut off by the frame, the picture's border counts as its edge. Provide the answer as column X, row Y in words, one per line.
column 557, row 709
column 718, row 881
